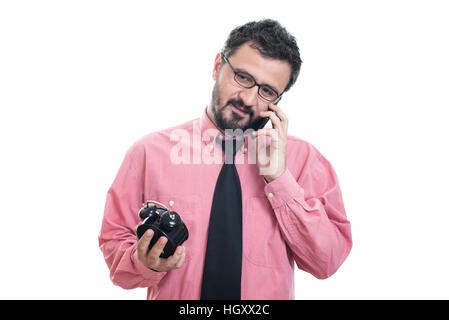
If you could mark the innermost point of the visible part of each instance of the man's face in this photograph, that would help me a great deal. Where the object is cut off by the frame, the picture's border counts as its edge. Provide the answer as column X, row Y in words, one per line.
column 234, row 106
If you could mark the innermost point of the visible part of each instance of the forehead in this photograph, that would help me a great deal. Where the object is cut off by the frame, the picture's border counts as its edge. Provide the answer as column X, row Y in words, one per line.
column 265, row 70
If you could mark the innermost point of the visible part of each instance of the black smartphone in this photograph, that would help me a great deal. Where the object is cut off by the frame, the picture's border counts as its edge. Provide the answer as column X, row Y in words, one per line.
column 260, row 123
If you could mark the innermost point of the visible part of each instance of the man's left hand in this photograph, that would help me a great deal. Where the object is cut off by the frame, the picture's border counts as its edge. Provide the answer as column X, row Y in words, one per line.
column 272, row 162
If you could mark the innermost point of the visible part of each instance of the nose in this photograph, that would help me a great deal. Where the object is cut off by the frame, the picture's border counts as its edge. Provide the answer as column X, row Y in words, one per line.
column 249, row 96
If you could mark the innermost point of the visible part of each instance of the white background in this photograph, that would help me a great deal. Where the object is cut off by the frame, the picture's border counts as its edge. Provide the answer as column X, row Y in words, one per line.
column 80, row 81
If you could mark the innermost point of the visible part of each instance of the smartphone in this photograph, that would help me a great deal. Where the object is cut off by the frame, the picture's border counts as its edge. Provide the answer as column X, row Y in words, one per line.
column 260, row 124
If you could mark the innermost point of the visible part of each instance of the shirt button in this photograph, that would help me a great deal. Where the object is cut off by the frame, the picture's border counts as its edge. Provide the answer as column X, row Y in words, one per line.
column 270, row 195
column 171, row 203
column 245, row 150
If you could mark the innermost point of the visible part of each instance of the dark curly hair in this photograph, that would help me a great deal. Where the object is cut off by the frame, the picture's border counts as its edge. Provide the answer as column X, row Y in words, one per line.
column 271, row 39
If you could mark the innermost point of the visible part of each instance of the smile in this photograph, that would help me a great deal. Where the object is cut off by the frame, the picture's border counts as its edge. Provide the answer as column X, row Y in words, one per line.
column 239, row 111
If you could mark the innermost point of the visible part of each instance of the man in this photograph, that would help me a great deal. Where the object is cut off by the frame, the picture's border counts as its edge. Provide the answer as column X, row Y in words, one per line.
column 249, row 222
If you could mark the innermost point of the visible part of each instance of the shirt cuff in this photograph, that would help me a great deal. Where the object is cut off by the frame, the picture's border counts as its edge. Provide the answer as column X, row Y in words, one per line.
column 146, row 272
column 283, row 189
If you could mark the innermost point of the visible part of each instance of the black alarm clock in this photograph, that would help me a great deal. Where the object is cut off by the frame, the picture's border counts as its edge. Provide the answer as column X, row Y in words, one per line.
column 163, row 222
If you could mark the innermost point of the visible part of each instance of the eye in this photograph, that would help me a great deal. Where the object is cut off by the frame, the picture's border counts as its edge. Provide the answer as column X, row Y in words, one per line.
column 244, row 79
column 268, row 92
column 242, row 76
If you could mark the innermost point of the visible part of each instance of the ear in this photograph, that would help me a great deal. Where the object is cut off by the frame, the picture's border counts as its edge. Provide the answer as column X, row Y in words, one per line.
column 217, row 64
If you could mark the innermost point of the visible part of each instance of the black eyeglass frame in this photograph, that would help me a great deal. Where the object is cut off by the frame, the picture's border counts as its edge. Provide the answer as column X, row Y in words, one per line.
column 277, row 99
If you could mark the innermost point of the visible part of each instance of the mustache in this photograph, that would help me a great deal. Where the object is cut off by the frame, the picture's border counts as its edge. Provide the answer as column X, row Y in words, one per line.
column 239, row 104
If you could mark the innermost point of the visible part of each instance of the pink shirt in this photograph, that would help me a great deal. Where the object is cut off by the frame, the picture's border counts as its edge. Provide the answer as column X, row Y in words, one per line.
column 297, row 218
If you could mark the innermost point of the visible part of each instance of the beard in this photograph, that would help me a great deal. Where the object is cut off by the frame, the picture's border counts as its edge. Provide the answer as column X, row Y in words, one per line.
column 235, row 121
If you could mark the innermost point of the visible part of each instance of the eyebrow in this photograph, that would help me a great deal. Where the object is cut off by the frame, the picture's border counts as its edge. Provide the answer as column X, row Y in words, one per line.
column 262, row 84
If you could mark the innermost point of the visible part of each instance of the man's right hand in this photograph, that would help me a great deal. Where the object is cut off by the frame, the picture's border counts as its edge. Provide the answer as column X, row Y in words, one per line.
column 151, row 259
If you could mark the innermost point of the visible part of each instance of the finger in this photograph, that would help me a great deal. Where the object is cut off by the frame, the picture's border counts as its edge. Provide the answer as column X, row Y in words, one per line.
column 265, row 132
column 278, row 111
column 182, row 259
column 156, row 250
column 281, row 115
column 144, row 241
column 173, row 260
column 273, row 117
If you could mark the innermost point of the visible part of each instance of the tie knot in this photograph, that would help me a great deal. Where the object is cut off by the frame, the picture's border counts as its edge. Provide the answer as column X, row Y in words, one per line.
column 230, row 146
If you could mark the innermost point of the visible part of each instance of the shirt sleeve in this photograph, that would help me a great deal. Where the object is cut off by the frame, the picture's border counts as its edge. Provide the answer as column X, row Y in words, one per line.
column 311, row 216
column 117, row 239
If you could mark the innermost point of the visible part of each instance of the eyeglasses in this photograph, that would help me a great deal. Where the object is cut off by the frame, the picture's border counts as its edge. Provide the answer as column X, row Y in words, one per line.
column 247, row 81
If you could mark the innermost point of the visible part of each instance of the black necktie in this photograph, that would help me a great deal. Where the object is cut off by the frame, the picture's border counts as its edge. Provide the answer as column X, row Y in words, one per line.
column 223, row 262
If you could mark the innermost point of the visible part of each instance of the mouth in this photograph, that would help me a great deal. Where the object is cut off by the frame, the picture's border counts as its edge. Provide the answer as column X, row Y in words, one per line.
column 240, row 111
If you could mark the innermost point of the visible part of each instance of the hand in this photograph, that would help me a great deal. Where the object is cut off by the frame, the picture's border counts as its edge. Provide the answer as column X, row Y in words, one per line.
column 272, row 159
column 151, row 259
